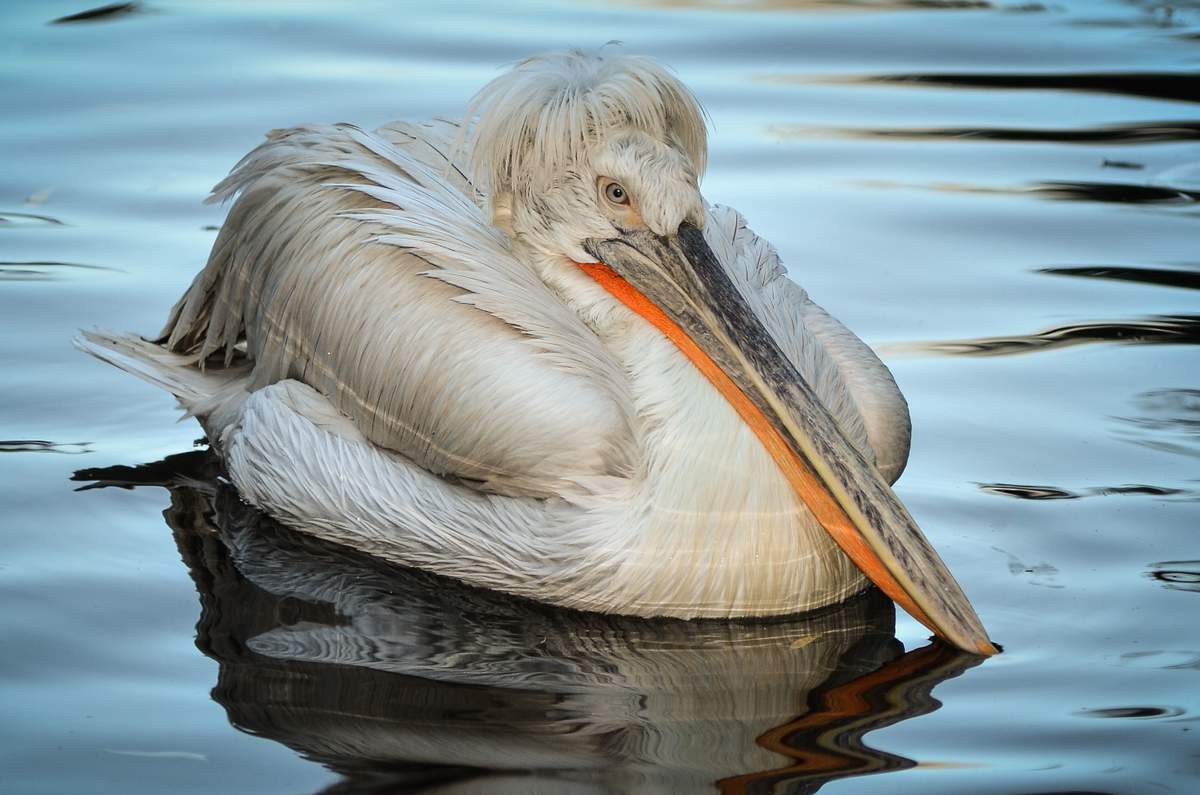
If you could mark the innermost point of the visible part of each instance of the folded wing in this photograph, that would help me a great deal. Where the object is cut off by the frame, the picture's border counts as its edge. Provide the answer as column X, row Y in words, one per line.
column 361, row 264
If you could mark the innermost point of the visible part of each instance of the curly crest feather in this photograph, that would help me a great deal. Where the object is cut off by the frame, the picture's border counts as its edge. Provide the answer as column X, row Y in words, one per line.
column 538, row 119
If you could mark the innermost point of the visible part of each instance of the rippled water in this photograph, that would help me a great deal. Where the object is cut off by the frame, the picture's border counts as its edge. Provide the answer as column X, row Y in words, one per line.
column 1001, row 196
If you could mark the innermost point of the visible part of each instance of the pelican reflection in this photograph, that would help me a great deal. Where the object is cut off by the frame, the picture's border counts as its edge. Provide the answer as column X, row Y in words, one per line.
column 399, row 680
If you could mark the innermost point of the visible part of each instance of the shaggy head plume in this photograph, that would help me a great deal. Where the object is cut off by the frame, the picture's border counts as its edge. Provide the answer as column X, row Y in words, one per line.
column 537, row 120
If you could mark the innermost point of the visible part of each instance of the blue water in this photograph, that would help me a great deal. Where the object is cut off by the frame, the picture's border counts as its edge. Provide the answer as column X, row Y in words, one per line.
column 1001, row 196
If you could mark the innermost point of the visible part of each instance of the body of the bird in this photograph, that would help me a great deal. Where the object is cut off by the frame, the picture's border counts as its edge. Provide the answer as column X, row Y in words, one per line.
column 409, row 341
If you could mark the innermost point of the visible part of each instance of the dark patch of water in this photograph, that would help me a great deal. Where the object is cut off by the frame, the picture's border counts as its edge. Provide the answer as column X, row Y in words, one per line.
column 1188, row 279
column 100, row 14
column 1152, row 85
column 1173, row 330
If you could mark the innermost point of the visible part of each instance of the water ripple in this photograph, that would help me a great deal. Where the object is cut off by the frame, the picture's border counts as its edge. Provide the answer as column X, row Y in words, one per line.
column 1168, row 421
column 1140, row 713
column 1074, row 191
column 371, row 669
column 847, row 5
column 1024, row 491
column 1114, row 192
column 1159, row 329
column 43, row 446
column 9, row 219
column 1175, row 86
column 100, row 14
column 43, row 270
column 1113, row 134
column 1178, row 575
column 1166, row 277
column 1165, row 659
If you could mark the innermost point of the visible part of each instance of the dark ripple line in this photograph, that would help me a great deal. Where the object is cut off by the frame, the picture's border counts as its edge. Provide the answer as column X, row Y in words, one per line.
column 1174, row 86
column 1125, row 134
column 1161, row 329
column 1115, row 193
column 1177, row 575
column 1076, row 191
column 43, row 446
column 1166, row 277
column 43, row 270
column 1136, row 712
column 99, row 14
column 854, row 5
column 16, row 218
column 1034, row 492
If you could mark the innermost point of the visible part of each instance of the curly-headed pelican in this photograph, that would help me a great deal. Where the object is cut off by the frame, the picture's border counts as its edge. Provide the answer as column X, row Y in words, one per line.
column 528, row 355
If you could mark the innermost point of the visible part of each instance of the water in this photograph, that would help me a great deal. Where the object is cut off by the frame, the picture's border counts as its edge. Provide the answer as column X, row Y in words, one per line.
column 1001, row 196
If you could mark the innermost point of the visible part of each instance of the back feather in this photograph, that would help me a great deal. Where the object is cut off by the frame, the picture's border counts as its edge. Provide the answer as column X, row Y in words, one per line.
column 360, row 263
column 212, row 396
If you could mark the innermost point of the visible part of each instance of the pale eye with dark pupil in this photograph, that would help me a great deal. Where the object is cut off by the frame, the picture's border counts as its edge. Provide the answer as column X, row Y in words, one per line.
column 615, row 194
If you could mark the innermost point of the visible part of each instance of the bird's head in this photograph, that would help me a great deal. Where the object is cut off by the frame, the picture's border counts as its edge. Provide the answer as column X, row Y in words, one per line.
column 594, row 162
column 578, row 146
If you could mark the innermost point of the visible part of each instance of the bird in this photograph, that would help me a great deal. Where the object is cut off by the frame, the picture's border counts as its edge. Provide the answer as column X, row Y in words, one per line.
column 523, row 351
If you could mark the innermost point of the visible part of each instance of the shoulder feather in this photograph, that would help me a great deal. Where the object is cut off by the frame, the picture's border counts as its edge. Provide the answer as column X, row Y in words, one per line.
column 361, row 264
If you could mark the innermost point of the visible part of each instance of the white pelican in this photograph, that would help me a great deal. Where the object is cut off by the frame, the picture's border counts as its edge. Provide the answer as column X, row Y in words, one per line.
column 527, row 354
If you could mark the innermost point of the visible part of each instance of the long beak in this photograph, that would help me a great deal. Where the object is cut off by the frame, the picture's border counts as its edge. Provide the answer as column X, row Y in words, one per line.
column 677, row 284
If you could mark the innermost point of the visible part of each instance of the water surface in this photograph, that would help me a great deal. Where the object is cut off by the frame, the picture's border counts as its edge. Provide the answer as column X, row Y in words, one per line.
column 1002, row 197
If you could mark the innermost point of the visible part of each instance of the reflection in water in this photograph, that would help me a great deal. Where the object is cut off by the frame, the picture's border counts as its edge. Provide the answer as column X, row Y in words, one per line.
column 1168, row 420
column 1043, row 574
column 43, row 271
column 1182, row 87
column 1160, row 14
column 402, row 681
column 1178, row 575
column 1139, row 133
column 1167, row 277
column 1140, row 713
column 1167, row 660
column 1102, row 192
column 1028, row 492
column 1162, row 329
column 194, row 467
column 43, row 446
column 1031, row 492
column 1113, row 193
column 9, row 219
column 100, row 14
column 840, row 5
column 1127, row 164
column 828, row 740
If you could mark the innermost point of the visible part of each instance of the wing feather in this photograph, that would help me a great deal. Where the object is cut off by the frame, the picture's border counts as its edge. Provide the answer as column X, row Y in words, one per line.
column 854, row 385
column 361, row 264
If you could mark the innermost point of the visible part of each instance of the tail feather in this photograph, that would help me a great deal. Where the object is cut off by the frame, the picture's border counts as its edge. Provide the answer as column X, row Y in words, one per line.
column 200, row 392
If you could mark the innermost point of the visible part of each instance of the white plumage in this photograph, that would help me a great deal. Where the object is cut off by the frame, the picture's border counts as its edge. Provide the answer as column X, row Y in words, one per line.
column 393, row 347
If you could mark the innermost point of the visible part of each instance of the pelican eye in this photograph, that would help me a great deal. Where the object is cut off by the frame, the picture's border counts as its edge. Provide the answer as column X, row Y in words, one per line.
column 615, row 193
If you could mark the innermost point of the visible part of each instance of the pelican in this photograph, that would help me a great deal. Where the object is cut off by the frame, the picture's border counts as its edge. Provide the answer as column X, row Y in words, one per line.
column 525, row 353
